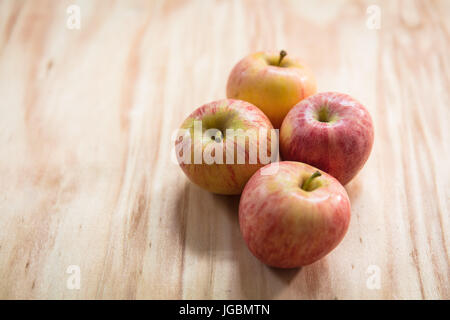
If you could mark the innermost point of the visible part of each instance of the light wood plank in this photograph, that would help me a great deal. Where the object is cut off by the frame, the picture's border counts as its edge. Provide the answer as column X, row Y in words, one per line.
column 86, row 118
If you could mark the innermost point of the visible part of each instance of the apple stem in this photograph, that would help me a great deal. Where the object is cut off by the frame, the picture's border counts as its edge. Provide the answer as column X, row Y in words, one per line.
column 282, row 55
column 217, row 137
column 307, row 184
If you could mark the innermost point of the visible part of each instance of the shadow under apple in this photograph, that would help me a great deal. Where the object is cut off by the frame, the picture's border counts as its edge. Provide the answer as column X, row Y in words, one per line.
column 208, row 225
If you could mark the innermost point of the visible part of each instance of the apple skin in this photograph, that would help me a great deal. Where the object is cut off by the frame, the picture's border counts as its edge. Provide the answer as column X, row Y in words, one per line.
column 340, row 147
column 224, row 178
column 274, row 89
column 285, row 226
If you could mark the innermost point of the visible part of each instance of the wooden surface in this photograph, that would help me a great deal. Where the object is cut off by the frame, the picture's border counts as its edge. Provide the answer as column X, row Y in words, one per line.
column 86, row 118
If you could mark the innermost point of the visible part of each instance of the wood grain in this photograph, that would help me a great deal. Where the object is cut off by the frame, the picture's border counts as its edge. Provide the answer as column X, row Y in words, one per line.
column 86, row 118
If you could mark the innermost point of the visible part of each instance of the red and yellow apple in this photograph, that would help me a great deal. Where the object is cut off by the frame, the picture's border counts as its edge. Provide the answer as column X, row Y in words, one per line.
column 223, row 143
column 272, row 82
column 330, row 131
column 294, row 217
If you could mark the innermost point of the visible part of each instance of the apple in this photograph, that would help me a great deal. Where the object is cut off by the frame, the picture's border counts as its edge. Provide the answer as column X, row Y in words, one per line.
column 272, row 82
column 223, row 143
column 330, row 131
column 293, row 217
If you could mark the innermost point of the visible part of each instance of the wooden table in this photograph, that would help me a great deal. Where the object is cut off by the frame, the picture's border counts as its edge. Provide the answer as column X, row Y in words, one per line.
column 88, row 188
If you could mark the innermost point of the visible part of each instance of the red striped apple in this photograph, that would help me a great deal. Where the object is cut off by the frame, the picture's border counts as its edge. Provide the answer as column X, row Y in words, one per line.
column 223, row 143
column 272, row 82
column 293, row 217
column 330, row 131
